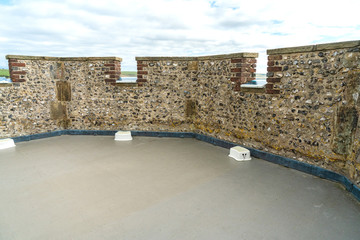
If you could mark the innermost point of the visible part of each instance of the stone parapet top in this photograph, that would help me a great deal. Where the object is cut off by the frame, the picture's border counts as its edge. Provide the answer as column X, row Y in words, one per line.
column 312, row 48
column 223, row 56
column 22, row 57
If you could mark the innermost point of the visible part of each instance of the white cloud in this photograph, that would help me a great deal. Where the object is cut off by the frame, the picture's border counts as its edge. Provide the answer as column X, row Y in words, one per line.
column 170, row 27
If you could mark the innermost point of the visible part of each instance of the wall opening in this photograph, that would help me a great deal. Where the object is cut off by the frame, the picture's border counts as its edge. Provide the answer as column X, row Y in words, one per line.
column 128, row 73
column 260, row 75
column 5, row 76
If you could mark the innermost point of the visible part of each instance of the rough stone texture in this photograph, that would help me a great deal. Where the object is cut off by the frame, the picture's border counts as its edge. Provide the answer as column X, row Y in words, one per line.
column 309, row 110
column 316, row 113
column 63, row 91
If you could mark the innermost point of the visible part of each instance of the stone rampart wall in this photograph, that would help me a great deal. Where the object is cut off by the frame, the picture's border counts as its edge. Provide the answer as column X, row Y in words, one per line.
column 308, row 110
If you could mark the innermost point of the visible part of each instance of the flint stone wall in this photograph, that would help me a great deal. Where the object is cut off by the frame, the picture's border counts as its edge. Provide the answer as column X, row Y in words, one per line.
column 308, row 110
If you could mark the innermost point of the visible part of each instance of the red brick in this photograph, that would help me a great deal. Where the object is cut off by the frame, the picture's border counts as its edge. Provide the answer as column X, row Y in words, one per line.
column 12, row 60
column 18, row 80
column 271, row 63
column 273, row 80
column 243, row 65
column 139, row 80
column 269, row 86
column 272, row 91
column 236, row 70
column 110, row 72
column 107, row 80
column 17, row 64
column 140, row 68
column 275, row 57
column 235, row 79
column 139, row 76
column 142, row 72
column 237, row 60
column 274, row 69
column 109, row 65
column 237, row 86
column 18, row 72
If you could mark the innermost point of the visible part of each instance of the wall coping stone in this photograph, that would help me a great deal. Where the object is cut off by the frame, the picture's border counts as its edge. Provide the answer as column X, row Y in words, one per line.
column 312, row 48
column 197, row 58
column 23, row 57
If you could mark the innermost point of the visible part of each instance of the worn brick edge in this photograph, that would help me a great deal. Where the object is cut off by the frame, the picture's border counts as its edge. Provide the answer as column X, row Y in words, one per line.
column 280, row 160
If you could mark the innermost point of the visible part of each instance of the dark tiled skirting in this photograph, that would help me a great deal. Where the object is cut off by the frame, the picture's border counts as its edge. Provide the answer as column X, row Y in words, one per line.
column 287, row 162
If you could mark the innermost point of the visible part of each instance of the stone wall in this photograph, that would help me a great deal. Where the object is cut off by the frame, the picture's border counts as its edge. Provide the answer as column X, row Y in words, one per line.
column 318, row 103
column 50, row 93
column 307, row 111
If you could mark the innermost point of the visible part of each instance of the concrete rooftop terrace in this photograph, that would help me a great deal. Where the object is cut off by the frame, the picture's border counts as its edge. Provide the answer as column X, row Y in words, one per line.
column 92, row 187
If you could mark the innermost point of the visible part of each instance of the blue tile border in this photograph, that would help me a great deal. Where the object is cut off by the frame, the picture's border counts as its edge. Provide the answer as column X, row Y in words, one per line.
column 37, row 136
column 163, row 134
column 284, row 161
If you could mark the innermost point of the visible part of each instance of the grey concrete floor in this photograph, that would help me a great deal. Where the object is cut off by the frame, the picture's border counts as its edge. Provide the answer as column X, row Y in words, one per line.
column 92, row 187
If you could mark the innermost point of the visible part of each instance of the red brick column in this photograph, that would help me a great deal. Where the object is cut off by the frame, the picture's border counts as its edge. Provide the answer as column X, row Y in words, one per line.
column 17, row 70
column 112, row 71
column 141, row 72
column 242, row 71
column 273, row 68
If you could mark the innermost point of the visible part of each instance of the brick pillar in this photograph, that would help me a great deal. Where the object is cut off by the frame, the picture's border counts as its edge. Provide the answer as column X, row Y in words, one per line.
column 273, row 69
column 17, row 70
column 141, row 72
column 242, row 71
column 112, row 71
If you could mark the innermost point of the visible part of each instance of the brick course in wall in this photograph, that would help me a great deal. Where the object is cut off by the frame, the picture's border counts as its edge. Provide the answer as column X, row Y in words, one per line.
column 141, row 72
column 242, row 71
column 17, row 70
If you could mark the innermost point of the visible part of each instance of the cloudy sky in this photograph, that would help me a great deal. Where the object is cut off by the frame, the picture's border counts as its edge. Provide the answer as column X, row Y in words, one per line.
column 129, row 28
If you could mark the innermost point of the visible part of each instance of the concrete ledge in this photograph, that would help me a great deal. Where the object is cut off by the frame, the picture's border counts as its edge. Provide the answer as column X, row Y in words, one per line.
column 284, row 161
column 199, row 58
column 22, row 57
column 312, row 48
column 125, row 84
column 6, row 84
column 6, row 143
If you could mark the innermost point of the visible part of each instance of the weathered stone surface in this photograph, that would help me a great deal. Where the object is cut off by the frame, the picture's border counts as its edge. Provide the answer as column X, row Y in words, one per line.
column 345, row 127
column 58, row 110
column 193, row 65
column 190, row 108
column 63, row 91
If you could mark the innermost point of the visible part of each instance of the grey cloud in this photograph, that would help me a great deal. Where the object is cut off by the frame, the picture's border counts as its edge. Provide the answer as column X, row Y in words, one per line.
column 233, row 24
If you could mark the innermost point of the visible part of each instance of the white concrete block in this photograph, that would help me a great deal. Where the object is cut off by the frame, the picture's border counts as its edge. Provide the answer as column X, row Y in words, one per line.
column 123, row 136
column 240, row 153
column 6, row 143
